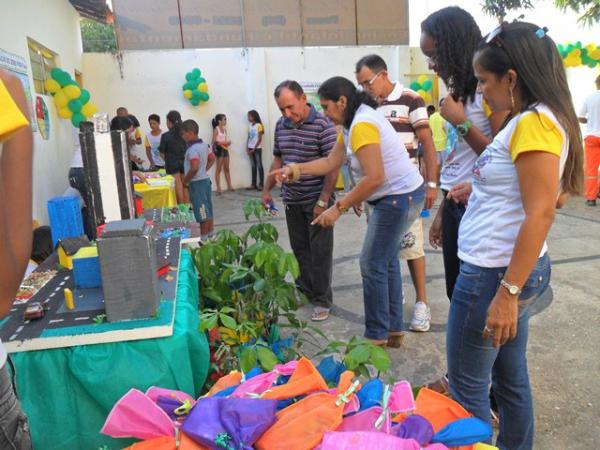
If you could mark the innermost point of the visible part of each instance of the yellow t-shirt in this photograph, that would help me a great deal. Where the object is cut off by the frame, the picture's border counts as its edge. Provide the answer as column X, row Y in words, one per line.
column 11, row 117
column 438, row 129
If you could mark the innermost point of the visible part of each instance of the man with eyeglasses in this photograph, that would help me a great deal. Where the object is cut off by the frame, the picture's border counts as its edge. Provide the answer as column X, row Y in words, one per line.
column 405, row 110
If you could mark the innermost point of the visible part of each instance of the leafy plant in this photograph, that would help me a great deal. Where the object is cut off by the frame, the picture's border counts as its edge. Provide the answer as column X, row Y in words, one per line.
column 361, row 356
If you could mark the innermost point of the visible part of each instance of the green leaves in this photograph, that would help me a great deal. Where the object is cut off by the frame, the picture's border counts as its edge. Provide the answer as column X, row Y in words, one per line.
column 266, row 358
column 248, row 359
column 228, row 321
column 360, row 355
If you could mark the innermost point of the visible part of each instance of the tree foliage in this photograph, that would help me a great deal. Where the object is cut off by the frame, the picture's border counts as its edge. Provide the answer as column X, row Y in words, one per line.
column 499, row 8
column 98, row 37
column 589, row 9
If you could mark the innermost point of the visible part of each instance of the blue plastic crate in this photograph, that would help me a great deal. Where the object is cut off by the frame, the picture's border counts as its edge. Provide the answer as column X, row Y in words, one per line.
column 65, row 218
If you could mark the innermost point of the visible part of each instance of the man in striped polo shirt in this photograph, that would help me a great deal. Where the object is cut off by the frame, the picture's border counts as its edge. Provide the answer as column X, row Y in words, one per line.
column 405, row 110
column 303, row 134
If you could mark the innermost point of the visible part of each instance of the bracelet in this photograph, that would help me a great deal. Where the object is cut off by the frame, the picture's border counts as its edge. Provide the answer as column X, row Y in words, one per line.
column 340, row 208
column 295, row 172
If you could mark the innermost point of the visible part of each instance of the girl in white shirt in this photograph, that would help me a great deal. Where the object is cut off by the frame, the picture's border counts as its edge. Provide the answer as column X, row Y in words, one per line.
column 221, row 146
column 388, row 181
column 505, row 266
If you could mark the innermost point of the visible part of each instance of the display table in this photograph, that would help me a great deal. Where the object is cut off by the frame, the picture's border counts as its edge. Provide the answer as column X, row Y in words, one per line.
column 67, row 393
column 157, row 196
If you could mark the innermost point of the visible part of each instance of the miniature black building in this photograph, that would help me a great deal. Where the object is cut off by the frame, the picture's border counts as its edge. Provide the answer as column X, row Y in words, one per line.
column 128, row 266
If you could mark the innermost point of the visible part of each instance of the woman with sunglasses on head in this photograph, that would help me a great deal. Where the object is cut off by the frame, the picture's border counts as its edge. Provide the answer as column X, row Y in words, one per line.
column 505, row 266
column 449, row 38
column 388, row 181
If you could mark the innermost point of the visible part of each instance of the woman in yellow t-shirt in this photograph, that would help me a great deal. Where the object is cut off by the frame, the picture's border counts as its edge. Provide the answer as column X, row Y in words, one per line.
column 505, row 265
column 15, row 233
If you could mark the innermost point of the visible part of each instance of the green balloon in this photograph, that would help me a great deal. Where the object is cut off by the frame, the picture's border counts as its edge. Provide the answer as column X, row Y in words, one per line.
column 427, row 85
column 196, row 94
column 201, row 80
column 203, row 96
column 195, row 101
column 55, row 73
column 592, row 64
column 84, row 97
column 77, row 118
column 415, row 86
column 196, row 73
column 63, row 78
column 189, row 76
column 75, row 106
column 190, row 86
column 578, row 44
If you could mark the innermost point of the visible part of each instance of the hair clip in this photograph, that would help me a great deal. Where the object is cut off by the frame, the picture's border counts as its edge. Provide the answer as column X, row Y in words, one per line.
column 540, row 33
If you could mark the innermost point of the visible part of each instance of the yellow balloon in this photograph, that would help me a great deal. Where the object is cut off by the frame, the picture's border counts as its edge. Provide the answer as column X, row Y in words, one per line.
column 576, row 52
column 203, row 87
column 595, row 54
column 422, row 79
column 187, row 93
column 72, row 92
column 51, row 85
column 60, row 99
column 65, row 113
column 89, row 109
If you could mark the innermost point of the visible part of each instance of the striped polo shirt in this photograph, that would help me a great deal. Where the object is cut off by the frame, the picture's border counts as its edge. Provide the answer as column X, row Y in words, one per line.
column 298, row 143
column 406, row 111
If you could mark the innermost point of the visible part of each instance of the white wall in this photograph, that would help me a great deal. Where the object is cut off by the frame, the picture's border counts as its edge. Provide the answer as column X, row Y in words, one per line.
column 55, row 25
column 238, row 80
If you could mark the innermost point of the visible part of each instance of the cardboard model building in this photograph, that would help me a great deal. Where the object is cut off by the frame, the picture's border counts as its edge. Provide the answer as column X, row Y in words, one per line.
column 107, row 174
column 128, row 269
column 67, row 248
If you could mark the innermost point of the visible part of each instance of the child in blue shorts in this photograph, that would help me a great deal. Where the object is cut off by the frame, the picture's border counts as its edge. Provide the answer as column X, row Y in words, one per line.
column 198, row 160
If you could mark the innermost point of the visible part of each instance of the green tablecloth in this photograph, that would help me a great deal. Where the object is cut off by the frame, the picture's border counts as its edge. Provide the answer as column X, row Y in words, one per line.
column 67, row 393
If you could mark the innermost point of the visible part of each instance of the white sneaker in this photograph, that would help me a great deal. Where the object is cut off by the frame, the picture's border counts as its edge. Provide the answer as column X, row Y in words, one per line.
column 421, row 317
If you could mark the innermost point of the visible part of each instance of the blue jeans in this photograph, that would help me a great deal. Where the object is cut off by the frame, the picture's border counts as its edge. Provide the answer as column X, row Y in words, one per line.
column 389, row 220
column 473, row 363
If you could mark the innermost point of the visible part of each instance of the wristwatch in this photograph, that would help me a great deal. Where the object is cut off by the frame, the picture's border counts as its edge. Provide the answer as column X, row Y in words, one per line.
column 463, row 128
column 340, row 208
column 511, row 288
column 321, row 204
column 431, row 184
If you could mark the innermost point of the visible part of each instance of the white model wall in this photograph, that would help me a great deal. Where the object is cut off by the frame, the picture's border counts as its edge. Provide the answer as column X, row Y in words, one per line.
column 239, row 80
column 55, row 25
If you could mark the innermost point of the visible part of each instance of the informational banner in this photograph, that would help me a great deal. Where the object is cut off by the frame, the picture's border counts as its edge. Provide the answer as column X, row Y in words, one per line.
column 18, row 66
column 310, row 89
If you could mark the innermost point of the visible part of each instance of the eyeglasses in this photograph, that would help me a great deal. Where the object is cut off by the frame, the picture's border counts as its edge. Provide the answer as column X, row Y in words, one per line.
column 364, row 84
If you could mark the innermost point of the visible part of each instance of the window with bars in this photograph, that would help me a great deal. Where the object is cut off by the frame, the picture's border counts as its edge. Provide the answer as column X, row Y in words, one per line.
column 43, row 60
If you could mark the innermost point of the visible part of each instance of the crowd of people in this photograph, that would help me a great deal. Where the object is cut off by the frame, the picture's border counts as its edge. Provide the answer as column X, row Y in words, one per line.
column 505, row 150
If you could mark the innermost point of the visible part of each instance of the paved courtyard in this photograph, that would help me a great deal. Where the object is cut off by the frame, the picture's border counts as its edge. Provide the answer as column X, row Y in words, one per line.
column 564, row 342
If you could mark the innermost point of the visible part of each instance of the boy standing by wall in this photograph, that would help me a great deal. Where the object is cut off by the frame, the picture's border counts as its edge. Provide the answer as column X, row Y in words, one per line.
column 198, row 160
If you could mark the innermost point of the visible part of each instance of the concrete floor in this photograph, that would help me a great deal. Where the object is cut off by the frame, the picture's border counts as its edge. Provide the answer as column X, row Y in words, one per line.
column 564, row 343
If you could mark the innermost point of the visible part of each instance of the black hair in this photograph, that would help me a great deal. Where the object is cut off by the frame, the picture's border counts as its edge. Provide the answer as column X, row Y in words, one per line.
column 134, row 121
column 373, row 62
column 217, row 119
column 190, row 125
column 255, row 116
column 430, row 109
column 42, row 244
column 292, row 85
column 121, row 109
column 120, row 123
column 456, row 37
column 175, row 118
column 154, row 117
column 541, row 78
column 335, row 88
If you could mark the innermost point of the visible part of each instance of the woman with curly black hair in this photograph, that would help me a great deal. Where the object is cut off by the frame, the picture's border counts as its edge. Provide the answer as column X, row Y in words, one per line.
column 449, row 39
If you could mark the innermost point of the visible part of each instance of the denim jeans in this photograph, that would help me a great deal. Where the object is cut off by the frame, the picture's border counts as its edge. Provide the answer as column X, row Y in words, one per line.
column 14, row 426
column 473, row 363
column 390, row 217
column 258, row 173
column 451, row 216
column 313, row 248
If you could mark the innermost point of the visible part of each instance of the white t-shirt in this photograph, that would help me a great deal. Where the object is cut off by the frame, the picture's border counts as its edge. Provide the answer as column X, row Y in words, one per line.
column 591, row 111
column 153, row 142
column 458, row 163
column 253, row 132
column 371, row 127
column 494, row 215
column 76, row 159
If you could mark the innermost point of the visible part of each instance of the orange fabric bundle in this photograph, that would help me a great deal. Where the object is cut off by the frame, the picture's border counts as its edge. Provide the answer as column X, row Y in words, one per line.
column 302, row 425
column 167, row 443
column 231, row 379
column 438, row 409
column 305, row 379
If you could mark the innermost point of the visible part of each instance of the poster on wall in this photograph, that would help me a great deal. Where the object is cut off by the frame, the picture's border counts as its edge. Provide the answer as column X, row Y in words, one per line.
column 42, row 117
column 18, row 66
column 310, row 89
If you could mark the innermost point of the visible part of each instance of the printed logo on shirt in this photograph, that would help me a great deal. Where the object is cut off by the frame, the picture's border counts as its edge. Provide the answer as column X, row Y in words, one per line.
column 484, row 159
